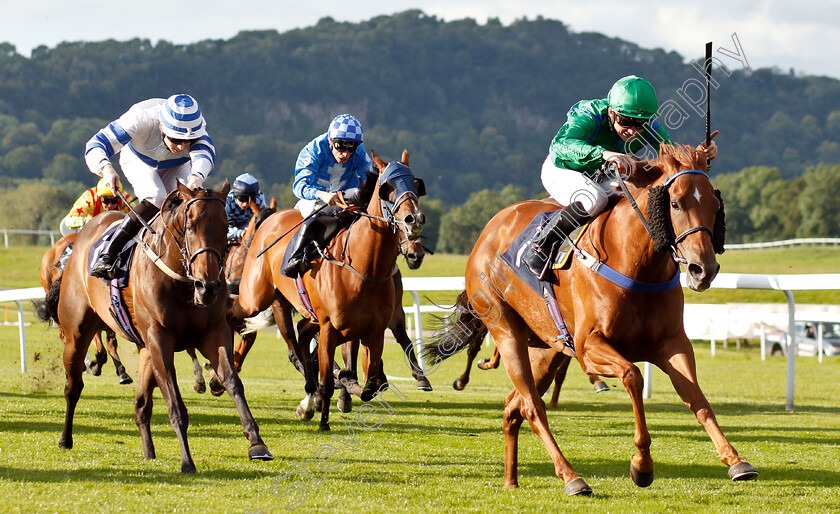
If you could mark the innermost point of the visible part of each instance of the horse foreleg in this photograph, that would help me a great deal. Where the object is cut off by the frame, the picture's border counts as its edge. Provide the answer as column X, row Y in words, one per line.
column 397, row 327
column 326, row 356
column 599, row 357
column 161, row 356
column 143, row 402
column 242, row 349
column 306, row 333
column 682, row 371
column 217, row 349
column 111, row 346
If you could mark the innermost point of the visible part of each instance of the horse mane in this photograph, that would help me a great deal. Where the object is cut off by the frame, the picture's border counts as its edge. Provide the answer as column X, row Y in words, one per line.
column 675, row 157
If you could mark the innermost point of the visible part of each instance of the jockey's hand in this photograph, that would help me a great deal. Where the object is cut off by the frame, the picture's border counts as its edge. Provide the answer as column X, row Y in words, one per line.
column 626, row 164
column 112, row 180
column 194, row 181
column 711, row 151
column 328, row 198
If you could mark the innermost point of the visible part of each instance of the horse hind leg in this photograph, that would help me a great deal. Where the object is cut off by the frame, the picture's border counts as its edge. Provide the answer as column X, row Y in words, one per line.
column 75, row 350
column 199, row 385
column 492, row 363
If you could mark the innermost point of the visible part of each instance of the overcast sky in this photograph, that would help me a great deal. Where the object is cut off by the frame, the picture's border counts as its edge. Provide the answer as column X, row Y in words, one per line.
column 804, row 36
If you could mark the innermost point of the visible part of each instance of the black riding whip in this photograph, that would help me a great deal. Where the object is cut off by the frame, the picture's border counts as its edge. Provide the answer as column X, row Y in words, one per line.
column 137, row 216
column 708, row 67
column 299, row 223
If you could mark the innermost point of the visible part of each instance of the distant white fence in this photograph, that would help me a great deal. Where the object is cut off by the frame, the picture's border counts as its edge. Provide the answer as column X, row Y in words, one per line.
column 54, row 234
column 705, row 326
column 808, row 241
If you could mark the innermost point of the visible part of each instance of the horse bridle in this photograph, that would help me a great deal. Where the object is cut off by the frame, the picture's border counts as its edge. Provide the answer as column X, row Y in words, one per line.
column 189, row 257
column 677, row 239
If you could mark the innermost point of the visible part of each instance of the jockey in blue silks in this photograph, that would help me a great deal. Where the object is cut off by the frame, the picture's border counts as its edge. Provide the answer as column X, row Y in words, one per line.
column 333, row 162
column 237, row 204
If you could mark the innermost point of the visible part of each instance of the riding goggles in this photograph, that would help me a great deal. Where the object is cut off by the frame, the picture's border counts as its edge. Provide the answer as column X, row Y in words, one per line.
column 345, row 146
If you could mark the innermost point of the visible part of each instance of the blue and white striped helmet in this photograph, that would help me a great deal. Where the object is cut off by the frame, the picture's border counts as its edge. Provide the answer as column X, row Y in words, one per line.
column 346, row 127
column 181, row 117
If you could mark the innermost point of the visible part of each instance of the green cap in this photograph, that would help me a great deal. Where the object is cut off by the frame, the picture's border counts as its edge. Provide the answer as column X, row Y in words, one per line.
column 634, row 97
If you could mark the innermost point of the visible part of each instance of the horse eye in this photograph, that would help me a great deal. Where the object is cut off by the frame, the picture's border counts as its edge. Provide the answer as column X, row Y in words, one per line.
column 675, row 206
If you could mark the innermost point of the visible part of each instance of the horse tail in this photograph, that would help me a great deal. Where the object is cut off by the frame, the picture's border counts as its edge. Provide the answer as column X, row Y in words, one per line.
column 261, row 320
column 458, row 330
column 50, row 310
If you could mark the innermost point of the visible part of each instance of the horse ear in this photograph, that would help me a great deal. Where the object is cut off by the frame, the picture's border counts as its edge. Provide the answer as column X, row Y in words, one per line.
column 184, row 191
column 420, row 187
column 380, row 164
column 226, row 187
column 273, row 203
column 404, row 158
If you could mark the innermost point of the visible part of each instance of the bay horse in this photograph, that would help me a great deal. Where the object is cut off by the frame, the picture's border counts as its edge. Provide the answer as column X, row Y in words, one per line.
column 176, row 298
column 51, row 269
column 350, row 287
column 608, row 326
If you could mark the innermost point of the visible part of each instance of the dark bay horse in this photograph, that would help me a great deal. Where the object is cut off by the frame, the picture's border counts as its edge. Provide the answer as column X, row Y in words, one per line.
column 51, row 269
column 176, row 297
column 351, row 289
column 612, row 326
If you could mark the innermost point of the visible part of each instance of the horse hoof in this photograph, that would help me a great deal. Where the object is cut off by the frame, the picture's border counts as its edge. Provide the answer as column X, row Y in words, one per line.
column 482, row 364
column 345, row 401
column 65, row 444
column 187, row 467
column 641, row 478
column 304, row 414
column 423, row 384
column 259, row 452
column 458, row 385
column 577, row 486
column 324, row 427
column 601, row 386
column 742, row 471
column 367, row 395
column 125, row 380
column 200, row 387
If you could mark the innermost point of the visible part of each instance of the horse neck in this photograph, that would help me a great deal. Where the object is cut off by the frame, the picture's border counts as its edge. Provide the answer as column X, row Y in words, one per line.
column 626, row 244
column 166, row 244
column 373, row 245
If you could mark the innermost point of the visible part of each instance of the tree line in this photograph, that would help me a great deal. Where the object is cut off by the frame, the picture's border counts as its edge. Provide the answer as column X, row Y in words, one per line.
column 475, row 104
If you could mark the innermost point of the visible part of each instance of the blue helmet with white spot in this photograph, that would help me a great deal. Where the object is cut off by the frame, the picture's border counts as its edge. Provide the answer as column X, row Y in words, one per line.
column 181, row 117
column 346, row 127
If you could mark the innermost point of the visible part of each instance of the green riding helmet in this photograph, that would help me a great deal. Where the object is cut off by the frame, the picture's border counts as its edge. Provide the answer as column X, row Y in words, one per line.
column 633, row 97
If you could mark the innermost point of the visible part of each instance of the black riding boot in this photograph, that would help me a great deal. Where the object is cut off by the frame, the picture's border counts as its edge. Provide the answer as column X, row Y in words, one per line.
column 130, row 226
column 559, row 226
column 301, row 254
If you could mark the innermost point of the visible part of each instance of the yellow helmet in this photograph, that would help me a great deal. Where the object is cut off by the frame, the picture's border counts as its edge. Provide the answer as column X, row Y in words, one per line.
column 102, row 189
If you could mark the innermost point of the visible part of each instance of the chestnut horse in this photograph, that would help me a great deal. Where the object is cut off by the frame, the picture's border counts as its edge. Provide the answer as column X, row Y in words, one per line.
column 176, row 297
column 51, row 269
column 351, row 289
column 612, row 326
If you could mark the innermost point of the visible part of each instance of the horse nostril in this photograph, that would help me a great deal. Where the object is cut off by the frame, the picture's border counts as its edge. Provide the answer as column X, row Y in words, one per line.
column 695, row 270
column 421, row 219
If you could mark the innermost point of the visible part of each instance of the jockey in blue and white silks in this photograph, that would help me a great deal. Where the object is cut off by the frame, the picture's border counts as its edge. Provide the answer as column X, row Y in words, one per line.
column 245, row 188
column 331, row 163
column 160, row 142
